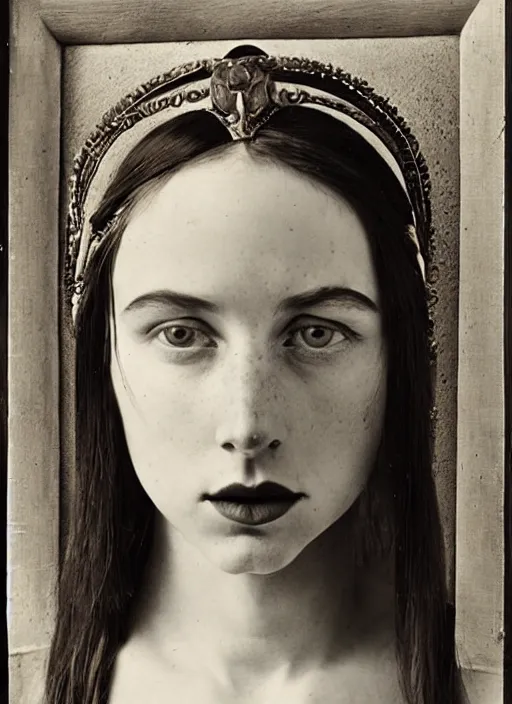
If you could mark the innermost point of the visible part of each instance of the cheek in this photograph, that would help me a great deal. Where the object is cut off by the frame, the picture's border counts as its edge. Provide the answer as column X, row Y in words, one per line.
column 349, row 402
column 343, row 433
column 164, row 414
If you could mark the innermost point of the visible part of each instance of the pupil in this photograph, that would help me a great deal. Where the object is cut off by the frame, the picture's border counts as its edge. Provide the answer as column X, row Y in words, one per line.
column 179, row 335
column 318, row 335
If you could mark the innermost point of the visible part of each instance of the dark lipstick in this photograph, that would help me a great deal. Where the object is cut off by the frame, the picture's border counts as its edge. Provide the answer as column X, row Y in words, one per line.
column 254, row 506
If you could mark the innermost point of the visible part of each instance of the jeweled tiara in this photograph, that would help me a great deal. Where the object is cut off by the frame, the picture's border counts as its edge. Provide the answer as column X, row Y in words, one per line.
column 243, row 93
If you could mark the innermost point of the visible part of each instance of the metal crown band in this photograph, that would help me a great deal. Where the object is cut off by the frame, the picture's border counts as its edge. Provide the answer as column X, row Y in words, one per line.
column 243, row 93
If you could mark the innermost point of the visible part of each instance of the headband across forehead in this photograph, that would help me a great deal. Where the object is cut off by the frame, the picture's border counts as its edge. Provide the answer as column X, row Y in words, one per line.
column 243, row 93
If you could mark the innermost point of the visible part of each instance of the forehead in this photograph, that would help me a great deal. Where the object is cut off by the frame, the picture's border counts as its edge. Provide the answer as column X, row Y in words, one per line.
column 232, row 224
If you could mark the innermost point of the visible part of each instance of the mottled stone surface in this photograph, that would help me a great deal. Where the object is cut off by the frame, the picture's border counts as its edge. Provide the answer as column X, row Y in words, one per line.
column 419, row 74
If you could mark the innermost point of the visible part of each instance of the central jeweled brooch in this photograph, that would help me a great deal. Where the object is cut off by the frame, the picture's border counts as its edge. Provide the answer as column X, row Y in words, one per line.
column 243, row 96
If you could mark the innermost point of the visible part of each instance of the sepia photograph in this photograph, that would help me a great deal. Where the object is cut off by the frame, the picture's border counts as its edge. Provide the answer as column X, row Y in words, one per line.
column 255, row 359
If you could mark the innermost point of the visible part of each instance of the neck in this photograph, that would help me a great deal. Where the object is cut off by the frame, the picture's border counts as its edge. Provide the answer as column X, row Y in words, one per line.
column 249, row 624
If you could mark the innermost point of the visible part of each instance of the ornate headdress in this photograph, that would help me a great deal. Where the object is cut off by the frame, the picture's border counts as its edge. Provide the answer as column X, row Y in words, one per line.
column 243, row 93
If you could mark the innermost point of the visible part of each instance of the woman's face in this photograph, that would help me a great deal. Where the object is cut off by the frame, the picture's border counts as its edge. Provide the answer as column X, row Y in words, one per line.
column 246, row 304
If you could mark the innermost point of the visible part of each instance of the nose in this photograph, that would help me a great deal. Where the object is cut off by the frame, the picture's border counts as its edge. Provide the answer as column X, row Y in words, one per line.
column 252, row 415
column 252, row 445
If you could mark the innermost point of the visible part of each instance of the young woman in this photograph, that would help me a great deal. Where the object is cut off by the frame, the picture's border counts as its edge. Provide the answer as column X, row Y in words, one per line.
column 255, row 517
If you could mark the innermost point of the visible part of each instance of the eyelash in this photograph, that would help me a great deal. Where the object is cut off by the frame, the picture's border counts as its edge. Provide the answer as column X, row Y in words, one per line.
column 294, row 330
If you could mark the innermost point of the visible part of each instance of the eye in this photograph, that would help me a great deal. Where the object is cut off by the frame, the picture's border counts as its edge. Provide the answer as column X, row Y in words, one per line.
column 184, row 336
column 315, row 336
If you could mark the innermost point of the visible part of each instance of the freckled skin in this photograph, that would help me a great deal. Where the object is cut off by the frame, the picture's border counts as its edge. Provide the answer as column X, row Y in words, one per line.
column 256, row 234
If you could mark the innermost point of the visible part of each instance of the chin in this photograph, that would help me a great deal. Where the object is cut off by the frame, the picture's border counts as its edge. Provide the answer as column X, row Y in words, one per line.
column 250, row 554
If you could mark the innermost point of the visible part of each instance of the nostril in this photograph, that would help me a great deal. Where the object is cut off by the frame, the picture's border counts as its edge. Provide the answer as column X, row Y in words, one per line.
column 252, row 444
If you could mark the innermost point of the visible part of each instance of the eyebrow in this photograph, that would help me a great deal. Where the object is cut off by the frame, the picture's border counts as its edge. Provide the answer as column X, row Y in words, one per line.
column 171, row 298
column 308, row 299
column 328, row 294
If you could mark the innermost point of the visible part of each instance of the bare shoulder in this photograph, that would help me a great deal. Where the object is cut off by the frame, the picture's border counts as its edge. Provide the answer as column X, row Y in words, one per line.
column 139, row 676
column 363, row 678
column 126, row 682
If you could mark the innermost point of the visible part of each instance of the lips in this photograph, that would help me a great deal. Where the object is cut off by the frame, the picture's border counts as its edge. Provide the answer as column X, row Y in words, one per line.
column 253, row 506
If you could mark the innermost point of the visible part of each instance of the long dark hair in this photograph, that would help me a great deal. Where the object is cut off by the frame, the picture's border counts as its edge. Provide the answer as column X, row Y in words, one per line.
column 111, row 527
